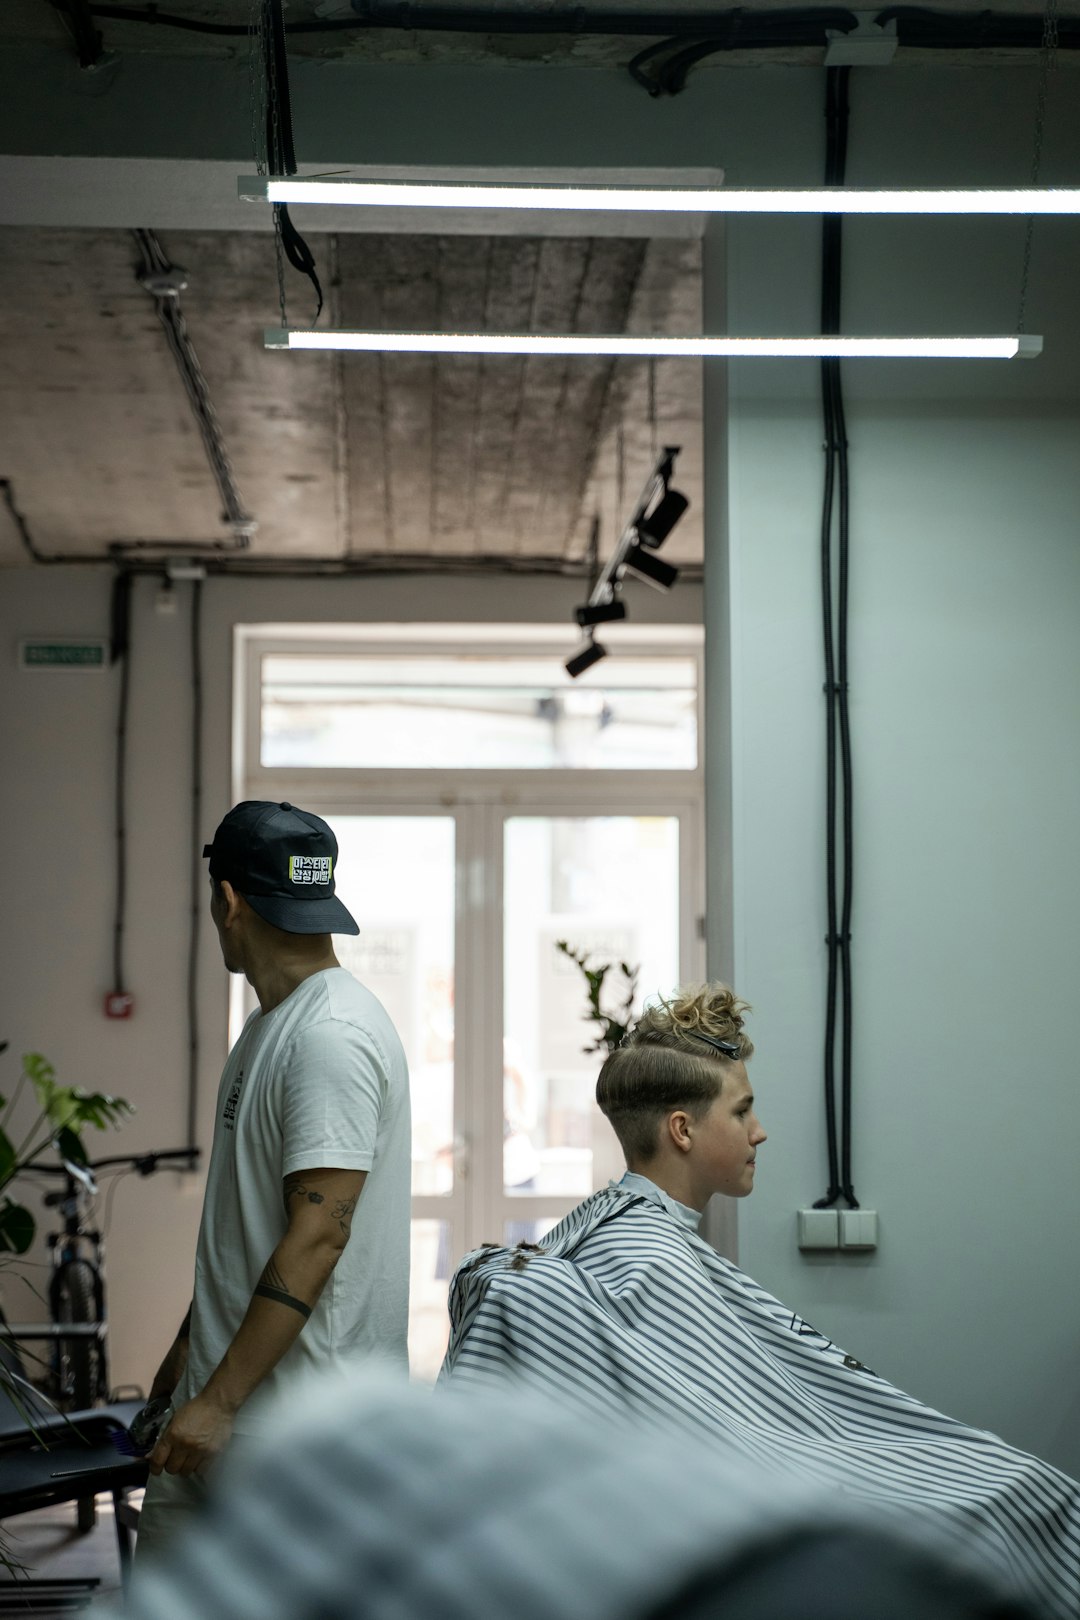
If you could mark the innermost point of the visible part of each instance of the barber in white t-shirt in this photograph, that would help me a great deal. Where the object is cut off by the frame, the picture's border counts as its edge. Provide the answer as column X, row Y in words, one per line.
column 303, row 1256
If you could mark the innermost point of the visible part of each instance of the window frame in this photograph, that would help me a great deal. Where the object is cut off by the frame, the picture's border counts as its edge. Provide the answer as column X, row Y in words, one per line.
column 454, row 784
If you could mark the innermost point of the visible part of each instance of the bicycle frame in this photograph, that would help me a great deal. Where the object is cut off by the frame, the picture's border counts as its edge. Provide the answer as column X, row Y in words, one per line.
column 80, row 1373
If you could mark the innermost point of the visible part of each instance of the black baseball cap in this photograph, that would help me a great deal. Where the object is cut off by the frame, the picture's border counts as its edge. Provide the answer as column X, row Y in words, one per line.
column 282, row 860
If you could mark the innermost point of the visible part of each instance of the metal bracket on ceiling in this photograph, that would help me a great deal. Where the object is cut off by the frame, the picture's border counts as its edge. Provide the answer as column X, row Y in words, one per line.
column 871, row 44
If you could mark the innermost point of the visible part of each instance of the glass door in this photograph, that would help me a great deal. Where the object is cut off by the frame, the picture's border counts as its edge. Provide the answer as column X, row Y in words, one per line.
column 460, row 915
column 487, row 806
column 607, row 886
column 398, row 878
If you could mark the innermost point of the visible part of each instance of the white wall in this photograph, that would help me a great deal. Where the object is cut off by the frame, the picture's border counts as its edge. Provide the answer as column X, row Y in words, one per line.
column 965, row 697
column 57, row 739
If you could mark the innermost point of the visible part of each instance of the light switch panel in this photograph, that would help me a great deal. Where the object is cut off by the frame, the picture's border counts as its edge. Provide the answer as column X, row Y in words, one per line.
column 858, row 1229
column 818, row 1229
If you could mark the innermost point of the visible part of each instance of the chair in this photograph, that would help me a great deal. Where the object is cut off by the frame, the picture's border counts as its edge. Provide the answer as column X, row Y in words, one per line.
column 46, row 1457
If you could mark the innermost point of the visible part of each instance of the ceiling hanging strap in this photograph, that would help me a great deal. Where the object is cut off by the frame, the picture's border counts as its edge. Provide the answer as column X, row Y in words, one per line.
column 1048, row 63
column 280, row 152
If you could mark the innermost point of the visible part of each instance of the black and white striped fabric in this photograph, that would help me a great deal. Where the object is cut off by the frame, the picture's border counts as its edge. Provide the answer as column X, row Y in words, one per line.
column 370, row 1500
column 624, row 1311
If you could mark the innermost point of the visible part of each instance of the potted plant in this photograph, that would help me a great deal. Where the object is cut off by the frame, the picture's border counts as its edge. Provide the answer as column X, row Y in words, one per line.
column 60, row 1115
column 611, row 1026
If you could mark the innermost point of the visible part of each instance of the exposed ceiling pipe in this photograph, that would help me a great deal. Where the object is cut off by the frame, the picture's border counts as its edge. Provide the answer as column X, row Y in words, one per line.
column 154, row 556
column 79, row 18
column 165, row 282
column 917, row 26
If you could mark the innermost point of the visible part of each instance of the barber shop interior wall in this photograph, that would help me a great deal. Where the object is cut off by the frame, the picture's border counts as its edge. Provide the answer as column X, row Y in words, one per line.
column 965, row 670
column 58, row 732
column 965, row 698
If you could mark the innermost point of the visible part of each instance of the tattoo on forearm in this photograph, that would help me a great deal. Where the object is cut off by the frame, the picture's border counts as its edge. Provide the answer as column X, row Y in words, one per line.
column 342, row 1213
column 294, row 1188
column 271, row 1285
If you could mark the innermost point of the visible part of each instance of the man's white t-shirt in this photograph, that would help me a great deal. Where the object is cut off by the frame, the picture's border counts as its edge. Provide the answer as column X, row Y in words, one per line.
column 318, row 1082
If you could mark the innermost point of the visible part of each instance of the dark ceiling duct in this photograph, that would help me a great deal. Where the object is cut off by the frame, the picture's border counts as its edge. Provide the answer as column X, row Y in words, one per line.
column 735, row 28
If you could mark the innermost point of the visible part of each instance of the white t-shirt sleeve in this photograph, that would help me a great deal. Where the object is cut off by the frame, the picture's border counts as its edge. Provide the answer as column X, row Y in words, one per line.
column 334, row 1088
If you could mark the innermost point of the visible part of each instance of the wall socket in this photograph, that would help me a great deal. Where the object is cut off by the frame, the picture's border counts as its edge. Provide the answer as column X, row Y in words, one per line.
column 837, row 1229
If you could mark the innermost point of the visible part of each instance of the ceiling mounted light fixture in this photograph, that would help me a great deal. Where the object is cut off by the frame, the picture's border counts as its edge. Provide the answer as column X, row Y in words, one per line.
column 647, row 566
column 1018, row 346
column 586, row 656
column 600, row 613
column 664, row 199
column 654, row 528
column 659, row 506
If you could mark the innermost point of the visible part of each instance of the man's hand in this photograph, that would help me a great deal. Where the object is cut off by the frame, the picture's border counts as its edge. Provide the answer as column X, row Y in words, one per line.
column 198, row 1433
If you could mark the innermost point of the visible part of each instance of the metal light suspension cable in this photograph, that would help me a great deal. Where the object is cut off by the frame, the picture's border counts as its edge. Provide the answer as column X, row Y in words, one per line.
column 268, row 38
column 834, row 601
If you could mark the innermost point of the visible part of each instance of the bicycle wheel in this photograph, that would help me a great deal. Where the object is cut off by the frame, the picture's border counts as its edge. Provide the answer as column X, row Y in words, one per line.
column 78, row 1360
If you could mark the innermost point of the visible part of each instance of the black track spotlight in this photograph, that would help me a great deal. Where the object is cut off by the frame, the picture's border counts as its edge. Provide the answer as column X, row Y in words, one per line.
column 647, row 566
column 599, row 613
column 590, row 654
column 654, row 529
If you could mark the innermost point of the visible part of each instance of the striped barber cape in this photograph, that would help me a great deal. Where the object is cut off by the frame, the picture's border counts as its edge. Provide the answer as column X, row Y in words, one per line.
column 624, row 1311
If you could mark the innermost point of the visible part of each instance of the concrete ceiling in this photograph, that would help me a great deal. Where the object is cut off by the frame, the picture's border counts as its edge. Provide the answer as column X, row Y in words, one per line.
column 337, row 457
column 341, row 455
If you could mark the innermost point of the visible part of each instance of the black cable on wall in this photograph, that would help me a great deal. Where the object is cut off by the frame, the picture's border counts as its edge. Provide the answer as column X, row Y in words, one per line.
column 835, row 542
column 120, row 653
column 197, row 869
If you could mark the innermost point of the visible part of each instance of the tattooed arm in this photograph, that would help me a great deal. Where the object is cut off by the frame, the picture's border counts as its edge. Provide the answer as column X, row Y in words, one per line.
column 319, row 1206
column 171, row 1370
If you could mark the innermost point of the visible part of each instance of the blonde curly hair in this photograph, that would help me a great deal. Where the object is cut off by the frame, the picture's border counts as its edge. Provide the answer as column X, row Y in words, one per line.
column 675, row 1056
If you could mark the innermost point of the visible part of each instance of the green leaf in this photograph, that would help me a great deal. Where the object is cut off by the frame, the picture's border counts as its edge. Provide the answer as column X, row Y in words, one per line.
column 17, row 1227
column 69, row 1145
column 97, row 1108
column 38, row 1069
column 7, row 1157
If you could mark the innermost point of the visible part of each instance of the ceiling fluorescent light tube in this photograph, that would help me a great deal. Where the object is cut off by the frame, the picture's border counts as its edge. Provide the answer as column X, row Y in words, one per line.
column 837, row 348
column 665, row 199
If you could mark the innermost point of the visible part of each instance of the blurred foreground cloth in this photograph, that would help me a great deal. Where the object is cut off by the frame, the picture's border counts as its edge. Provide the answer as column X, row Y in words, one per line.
column 377, row 1501
column 625, row 1312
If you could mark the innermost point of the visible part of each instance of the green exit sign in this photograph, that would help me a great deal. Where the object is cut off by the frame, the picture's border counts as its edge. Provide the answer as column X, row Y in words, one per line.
column 63, row 652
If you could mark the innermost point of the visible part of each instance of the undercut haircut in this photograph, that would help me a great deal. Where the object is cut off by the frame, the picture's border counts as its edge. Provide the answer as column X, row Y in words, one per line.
column 667, row 1061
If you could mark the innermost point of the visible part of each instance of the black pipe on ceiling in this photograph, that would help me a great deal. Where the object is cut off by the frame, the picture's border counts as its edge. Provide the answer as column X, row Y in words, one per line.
column 220, row 559
column 917, row 26
column 88, row 41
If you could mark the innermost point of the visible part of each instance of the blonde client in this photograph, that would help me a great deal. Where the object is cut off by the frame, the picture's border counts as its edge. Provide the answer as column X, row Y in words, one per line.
column 624, row 1309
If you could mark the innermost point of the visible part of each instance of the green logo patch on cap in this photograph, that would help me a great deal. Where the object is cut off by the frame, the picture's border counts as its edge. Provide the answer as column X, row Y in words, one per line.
column 310, row 868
